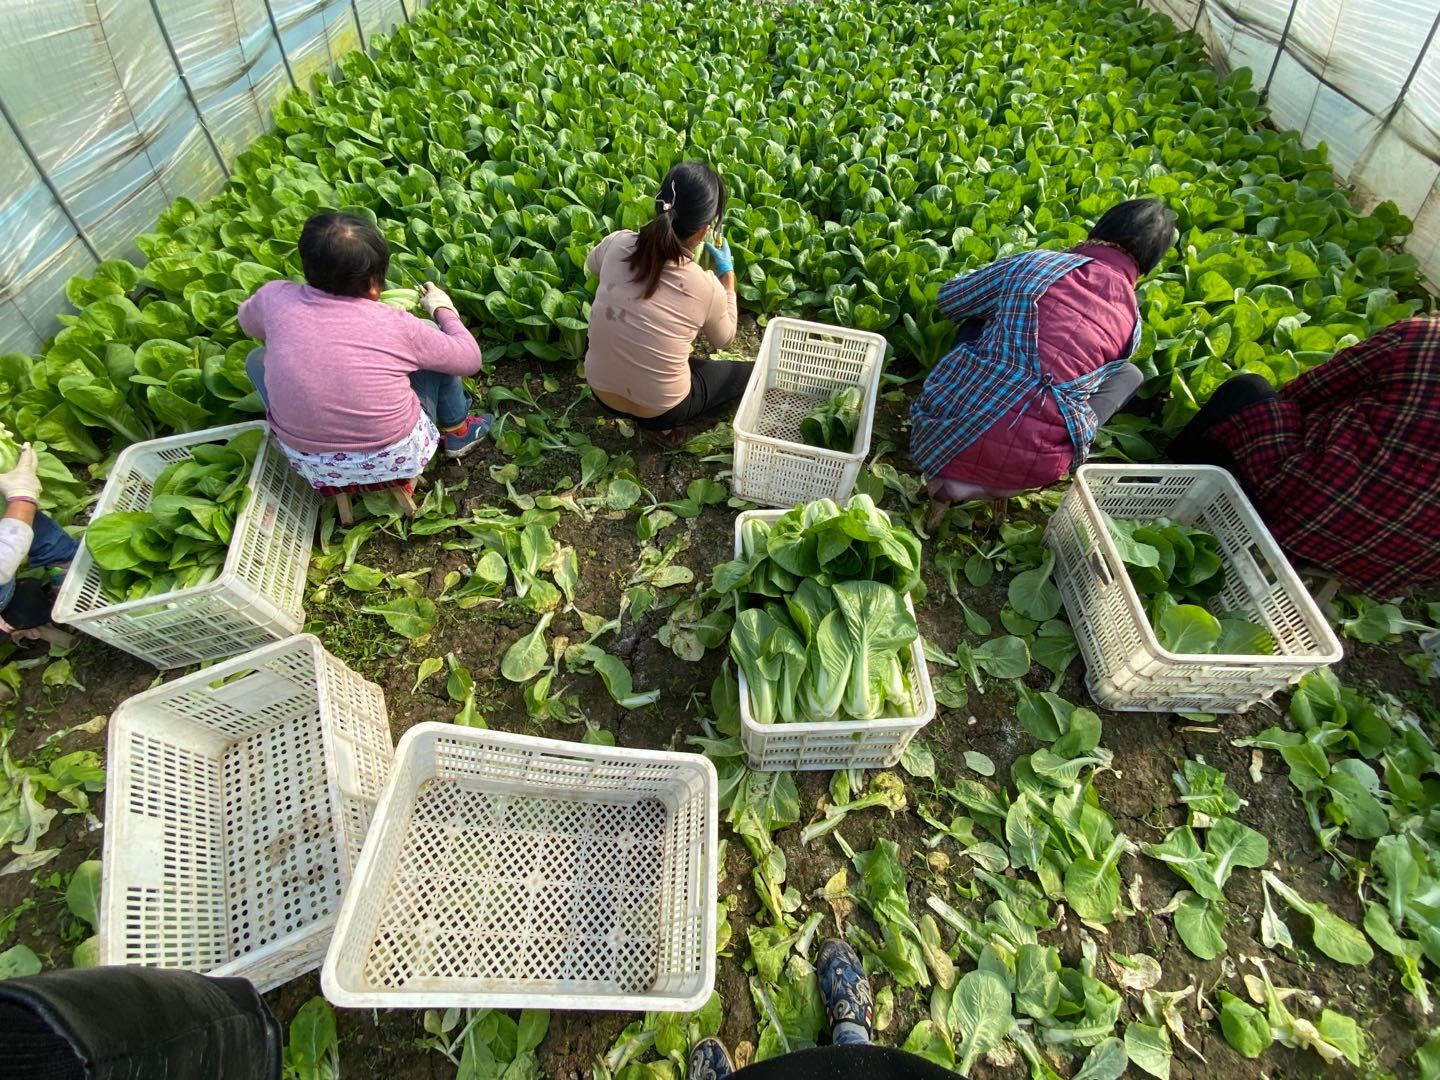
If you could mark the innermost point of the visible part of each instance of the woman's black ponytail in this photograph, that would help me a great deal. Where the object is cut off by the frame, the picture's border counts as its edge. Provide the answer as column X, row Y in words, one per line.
column 691, row 197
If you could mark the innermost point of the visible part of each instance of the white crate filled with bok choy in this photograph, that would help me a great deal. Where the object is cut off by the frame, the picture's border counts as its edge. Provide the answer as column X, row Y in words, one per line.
column 831, row 664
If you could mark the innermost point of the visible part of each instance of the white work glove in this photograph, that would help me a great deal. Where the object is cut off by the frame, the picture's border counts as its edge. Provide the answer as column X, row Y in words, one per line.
column 21, row 481
column 433, row 298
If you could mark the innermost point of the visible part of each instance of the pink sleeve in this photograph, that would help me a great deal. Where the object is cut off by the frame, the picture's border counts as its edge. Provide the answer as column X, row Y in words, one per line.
column 445, row 345
column 251, row 315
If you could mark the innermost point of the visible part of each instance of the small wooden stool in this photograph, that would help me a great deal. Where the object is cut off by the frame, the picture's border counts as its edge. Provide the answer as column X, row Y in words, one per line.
column 404, row 496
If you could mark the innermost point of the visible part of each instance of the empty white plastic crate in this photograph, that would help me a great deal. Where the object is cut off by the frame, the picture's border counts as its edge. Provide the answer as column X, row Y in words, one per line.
column 800, row 365
column 505, row 871
column 259, row 595
column 237, row 801
column 834, row 744
column 1127, row 669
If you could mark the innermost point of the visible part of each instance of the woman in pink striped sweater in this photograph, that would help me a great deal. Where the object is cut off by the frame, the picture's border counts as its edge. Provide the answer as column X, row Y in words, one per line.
column 354, row 389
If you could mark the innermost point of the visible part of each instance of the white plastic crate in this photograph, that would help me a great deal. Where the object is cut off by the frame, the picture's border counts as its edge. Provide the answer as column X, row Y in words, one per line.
column 259, row 595
column 800, row 365
column 1127, row 669
column 833, row 744
column 234, row 813
column 505, row 871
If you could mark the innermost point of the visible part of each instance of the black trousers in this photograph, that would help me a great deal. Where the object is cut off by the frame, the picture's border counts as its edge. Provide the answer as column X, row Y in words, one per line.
column 868, row 1062
column 129, row 1023
column 713, row 383
column 1194, row 446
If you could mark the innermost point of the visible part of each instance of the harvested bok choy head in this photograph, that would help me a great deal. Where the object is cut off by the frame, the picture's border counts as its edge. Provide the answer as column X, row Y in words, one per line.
column 823, row 541
column 822, row 630
column 181, row 540
column 831, row 425
column 1178, row 571
column 402, row 298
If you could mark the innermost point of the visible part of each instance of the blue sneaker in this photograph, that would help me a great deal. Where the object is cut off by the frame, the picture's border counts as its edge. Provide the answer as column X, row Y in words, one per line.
column 460, row 443
column 849, row 1002
column 709, row 1060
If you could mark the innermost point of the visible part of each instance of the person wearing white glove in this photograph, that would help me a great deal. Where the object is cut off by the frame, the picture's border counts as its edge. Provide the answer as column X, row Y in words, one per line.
column 26, row 533
column 359, row 393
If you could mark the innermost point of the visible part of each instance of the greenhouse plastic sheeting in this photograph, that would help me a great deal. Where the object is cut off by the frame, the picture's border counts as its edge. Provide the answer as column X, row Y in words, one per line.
column 111, row 109
column 1361, row 76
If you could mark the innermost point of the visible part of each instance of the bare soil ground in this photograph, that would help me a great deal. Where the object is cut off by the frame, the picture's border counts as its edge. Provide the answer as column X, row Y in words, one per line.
column 1139, row 792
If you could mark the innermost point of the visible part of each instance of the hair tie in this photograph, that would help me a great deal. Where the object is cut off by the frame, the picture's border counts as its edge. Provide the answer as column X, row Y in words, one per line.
column 665, row 206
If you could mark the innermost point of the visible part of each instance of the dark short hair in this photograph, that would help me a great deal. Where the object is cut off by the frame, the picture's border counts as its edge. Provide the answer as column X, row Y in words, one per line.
column 343, row 254
column 1143, row 227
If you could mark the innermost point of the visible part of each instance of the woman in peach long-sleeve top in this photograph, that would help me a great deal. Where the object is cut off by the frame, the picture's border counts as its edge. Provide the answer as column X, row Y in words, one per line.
column 652, row 303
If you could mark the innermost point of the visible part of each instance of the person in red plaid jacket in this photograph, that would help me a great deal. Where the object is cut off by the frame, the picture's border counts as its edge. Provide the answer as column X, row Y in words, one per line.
column 1343, row 463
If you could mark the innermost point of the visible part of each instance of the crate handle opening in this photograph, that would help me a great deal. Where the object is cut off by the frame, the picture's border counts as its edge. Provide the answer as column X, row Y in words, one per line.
column 1138, row 481
column 1262, row 564
column 1100, row 568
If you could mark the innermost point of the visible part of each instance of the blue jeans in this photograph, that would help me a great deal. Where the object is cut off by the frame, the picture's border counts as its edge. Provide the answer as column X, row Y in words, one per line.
column 50, row 546
column 442, row 396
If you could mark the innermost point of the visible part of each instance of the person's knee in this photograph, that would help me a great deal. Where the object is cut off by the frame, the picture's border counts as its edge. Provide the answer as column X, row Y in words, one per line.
column 1128, row 380
column 1244, row 388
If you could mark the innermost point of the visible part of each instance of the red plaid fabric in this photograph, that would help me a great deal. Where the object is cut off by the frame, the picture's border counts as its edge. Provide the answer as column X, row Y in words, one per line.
column 1345, row 465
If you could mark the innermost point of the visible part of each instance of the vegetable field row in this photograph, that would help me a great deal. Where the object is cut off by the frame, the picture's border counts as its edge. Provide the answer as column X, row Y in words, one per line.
column 872, row 151
column 1042, row 888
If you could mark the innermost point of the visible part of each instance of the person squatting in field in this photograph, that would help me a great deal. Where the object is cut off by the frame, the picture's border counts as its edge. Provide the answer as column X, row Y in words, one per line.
column 26, row 534
column 1343, row 463
column 1040, row 360
column 654, row 300
column 354, row 389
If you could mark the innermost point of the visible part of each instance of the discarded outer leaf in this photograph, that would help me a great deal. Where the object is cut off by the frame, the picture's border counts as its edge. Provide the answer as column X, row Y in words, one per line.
column 942, row 968
column 1137, row 972
column 1245, row 1026
column 429, row 666
column 1273, row 932
column 917, row 760
column 87, row 953
column 980, row 763
column 980, row 1014
column 1333, row 936
column 17, row 962
column 1149, row 1049
column 616, row 677
column 411, row 617
column 1201, row 925
column 524, row 659
column 1343, row 1032
column 82, row 895
column 1106, row 1061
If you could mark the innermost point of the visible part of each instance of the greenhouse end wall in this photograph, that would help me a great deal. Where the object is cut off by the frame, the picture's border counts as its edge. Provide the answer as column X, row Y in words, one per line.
column 1361, row 76
column 112, row 109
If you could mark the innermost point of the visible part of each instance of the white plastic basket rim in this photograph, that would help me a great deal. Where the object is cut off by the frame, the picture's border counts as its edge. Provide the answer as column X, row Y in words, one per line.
column 339, row 993
column 885, row 725
column 870, row 390
column 80, row 567
column 1330, row 652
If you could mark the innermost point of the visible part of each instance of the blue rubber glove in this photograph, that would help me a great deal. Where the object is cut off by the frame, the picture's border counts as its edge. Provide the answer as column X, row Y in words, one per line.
column 720, row 257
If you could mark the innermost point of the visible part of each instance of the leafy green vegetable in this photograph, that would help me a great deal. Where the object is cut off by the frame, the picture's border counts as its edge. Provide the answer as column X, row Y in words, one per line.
column 1334, row 937
column 1178, row 570
column 1245, row 1026
column 980, row 1013
column 1228, row 844
column 832, row 424
column 182, row 539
